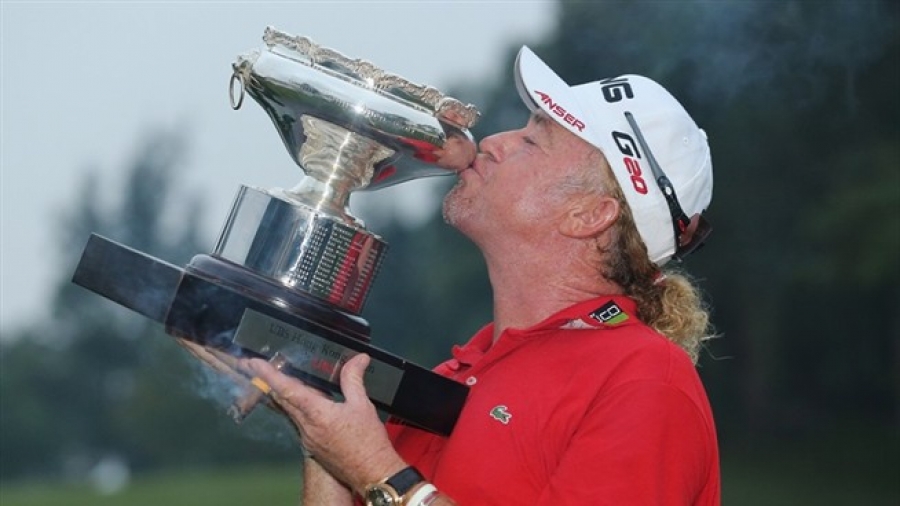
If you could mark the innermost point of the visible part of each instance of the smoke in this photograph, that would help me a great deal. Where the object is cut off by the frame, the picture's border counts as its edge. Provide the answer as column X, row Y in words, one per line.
column 787, row 49
column 263, row 424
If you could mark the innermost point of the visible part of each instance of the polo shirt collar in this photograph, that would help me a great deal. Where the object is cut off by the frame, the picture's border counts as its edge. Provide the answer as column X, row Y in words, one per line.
column 601, row 312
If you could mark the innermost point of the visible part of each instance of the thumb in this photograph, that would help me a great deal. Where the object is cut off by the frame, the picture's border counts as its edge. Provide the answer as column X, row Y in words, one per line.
column 352, row 374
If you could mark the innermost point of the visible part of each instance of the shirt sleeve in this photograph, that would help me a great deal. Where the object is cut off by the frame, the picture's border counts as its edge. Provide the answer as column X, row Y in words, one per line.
column 644, row 443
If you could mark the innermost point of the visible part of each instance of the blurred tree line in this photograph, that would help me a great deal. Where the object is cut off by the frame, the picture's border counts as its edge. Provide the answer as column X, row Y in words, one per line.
column 800, row 100
column 92, row 386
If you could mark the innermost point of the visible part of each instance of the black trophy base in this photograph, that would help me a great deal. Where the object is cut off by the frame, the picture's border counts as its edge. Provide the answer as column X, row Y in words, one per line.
column 226, row 307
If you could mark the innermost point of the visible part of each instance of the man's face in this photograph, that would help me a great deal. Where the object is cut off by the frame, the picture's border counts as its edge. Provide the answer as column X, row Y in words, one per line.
column 515, row 187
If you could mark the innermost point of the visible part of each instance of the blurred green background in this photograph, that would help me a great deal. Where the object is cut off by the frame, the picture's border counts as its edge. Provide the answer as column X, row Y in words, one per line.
column 801, row 103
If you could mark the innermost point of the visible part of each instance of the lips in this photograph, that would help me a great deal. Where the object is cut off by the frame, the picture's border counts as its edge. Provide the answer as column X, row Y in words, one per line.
column 473, row 167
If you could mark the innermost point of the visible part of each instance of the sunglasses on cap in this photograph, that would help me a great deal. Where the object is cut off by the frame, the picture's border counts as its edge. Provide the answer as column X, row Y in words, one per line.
column 685, row 243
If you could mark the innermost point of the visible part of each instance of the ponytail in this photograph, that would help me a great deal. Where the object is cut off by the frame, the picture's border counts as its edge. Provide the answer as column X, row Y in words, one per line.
column 666, row 300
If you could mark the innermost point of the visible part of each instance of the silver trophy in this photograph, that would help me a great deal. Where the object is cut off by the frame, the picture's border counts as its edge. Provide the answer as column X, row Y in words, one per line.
column 349, row 126
column 292, row 267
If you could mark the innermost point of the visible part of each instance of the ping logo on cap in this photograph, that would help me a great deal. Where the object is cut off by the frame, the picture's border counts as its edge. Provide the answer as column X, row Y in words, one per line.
column 560, row 111
column 610, row 314
column 615, row 89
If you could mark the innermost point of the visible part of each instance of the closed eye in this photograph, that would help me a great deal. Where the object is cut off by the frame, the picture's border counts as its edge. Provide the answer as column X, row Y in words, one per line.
column 532, row 144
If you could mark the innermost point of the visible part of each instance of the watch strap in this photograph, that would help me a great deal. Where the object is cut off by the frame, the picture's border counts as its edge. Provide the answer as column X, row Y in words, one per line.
column 405, row 480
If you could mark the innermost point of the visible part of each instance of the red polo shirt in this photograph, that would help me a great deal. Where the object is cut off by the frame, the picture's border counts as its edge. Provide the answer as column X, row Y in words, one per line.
column 588, row 407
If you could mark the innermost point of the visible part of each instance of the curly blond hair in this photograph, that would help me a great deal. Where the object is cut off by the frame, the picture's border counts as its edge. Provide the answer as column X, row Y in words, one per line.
column 667, row 299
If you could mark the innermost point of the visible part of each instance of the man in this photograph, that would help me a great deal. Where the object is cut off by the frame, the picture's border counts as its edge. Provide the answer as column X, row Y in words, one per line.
column 583, row 389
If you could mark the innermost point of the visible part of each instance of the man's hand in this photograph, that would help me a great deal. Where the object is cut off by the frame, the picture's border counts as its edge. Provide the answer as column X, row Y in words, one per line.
column 346, row 438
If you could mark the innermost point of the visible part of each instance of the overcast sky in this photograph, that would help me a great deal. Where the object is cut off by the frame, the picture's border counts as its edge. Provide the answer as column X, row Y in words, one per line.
column 82, row 82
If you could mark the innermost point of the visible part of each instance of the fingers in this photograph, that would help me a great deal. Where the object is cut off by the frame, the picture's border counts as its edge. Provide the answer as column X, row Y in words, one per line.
column 264, row 371
column 288, row 389
column 352, row 378
column 348, row 438
column 284, row 388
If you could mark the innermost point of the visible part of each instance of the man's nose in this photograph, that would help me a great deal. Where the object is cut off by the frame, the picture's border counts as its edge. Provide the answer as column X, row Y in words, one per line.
column 493, row 146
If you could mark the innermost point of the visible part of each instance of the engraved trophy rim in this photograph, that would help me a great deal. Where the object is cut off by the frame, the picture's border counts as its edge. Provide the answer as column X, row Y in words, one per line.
column 365, row 73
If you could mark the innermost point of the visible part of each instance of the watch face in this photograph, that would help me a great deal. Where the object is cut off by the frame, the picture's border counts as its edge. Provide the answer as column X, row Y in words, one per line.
column 379, row 497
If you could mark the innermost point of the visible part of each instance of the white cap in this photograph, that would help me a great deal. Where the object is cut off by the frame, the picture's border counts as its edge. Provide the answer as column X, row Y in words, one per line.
column 596, row 112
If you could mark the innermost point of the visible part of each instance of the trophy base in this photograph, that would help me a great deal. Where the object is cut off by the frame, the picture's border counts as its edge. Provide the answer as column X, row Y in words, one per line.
column 224, row 307
column 219, row 272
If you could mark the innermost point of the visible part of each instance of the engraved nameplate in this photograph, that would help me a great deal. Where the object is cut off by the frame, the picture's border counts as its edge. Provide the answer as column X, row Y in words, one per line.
column 312, row 354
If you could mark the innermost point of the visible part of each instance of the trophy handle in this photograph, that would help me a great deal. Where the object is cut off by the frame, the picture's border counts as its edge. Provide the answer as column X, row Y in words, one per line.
column 236, row 103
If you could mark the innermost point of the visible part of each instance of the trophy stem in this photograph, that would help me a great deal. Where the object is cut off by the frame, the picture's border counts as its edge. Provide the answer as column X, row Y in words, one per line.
column 336, row 162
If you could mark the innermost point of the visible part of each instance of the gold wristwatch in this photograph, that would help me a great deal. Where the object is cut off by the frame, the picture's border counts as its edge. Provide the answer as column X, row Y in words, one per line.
column 391, row 491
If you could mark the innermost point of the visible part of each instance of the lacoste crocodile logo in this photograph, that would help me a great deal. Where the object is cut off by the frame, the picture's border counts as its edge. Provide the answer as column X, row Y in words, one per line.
column 501, row 414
